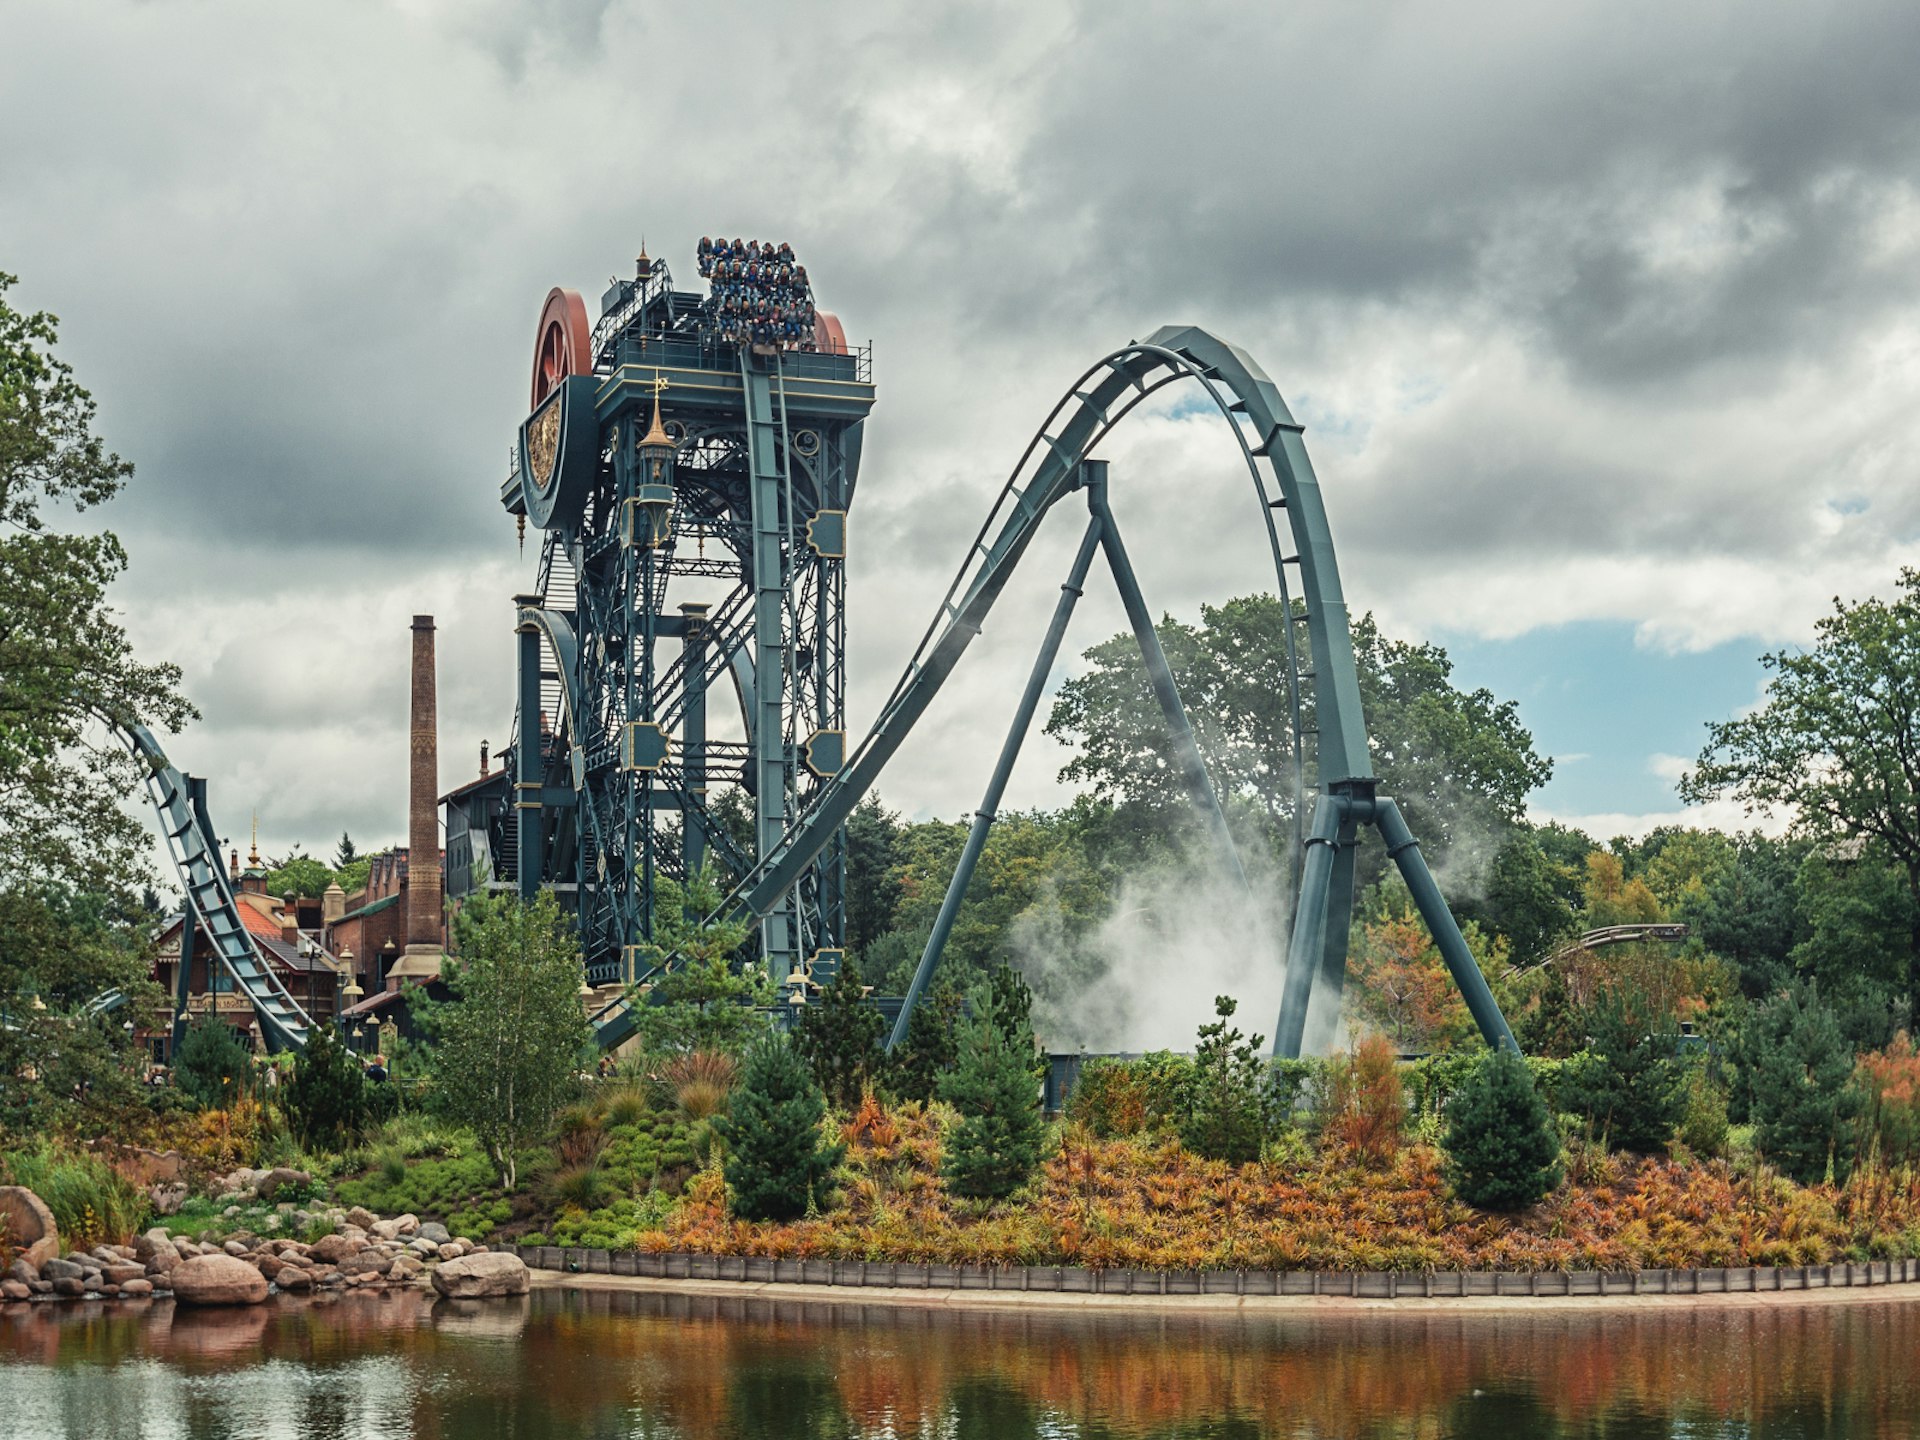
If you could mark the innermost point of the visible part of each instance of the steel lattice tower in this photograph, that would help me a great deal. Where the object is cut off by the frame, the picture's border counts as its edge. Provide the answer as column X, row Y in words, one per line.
column 692, row 492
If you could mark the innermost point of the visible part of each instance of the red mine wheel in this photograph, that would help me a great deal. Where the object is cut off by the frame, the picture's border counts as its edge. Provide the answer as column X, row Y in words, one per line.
column 563, row 345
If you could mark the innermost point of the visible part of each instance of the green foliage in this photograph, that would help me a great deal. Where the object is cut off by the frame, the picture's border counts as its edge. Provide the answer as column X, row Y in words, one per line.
column 873, row 849
column 838, row 1036
column 1703, row 1114
column 779, row 1163
column 72, row 853
column 1834, row 741
column 1131, row 1097
column 1501, row 1151
column 1802, row 1096
column 91, row 1204
column 299, row 874
column 703, row 1002
column 326, row 1097
column 1629, row 1083
column 426, row 1185
column 507, row 1054
column 1228, row 1103
column 212, row 1065
column 995, row 1145
column 929, row 1048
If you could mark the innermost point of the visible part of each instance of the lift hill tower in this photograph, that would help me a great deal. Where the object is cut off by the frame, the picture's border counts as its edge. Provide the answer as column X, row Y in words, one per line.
column 689, row 481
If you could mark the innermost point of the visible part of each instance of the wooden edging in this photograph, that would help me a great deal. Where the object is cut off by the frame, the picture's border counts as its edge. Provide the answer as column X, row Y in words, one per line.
column 1353, row 1284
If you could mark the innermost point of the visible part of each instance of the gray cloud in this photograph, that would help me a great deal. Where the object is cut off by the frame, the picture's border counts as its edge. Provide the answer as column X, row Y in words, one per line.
column 1591, row 311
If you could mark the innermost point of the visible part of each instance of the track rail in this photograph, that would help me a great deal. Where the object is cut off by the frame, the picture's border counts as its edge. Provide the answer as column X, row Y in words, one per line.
column 198, row 865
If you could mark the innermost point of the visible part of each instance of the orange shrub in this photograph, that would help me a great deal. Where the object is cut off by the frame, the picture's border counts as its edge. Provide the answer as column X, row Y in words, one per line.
column 1366, row 1105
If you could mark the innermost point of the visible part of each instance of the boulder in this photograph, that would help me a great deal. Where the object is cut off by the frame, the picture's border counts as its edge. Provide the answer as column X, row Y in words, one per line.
column 136, row 1287
column 14, row 1289
column 405, row 1268
column 451, row 1250
column 476, row 1277
column 235, row 1247
column 25, row 1273
column 55, row 1268
column 121, row 1273
column 28, row 1224
column 367, row 1262
column 364, row 1218
column 269, row 1265
column 69, row 1285
column 292, row 1277
column 424, row 1248
column 332, row 1249
column 162, row 1261
column 146, row 1246
column 394, row 1229
column 436, row 1232
column 280, row 1175
column 217, row 1280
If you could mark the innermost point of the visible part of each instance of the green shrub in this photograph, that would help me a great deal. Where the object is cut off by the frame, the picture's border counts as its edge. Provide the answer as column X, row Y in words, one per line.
column 90, row 1202
column 778, row 1163
column 1629, row 1083
column 326, row 1098
column 212, row 1066
column 995, row 1145
column 1501, row 1151
column 1803, row 1099
column 1227, row 1111
column 1703, row 1114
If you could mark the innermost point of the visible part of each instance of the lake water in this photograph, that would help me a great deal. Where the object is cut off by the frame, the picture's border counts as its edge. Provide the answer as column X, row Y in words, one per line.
column 591, row 1365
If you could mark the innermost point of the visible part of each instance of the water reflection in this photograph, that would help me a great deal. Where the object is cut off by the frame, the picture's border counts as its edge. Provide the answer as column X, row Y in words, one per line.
column 644, row 1365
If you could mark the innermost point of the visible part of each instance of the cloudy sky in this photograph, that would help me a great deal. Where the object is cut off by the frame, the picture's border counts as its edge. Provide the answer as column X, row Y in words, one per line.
column 1604, row 320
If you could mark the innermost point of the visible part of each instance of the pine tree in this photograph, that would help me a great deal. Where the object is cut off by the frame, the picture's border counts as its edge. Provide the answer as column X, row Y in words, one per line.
column 1803, row 1096
column 212, row 1065
column 914, row 1068
column 327, row 1096
column 1501, row 1150
column 1629, row 1086
column 1224, row 1113
column 778, row 1164
column 839, row 1037
column 995, row 1145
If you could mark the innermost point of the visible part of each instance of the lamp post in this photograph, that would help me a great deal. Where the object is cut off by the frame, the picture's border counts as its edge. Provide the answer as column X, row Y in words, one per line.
column 351, row 995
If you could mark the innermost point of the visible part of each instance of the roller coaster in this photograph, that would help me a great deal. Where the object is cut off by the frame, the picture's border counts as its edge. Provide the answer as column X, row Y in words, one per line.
column 672, row 427
column 661, row 430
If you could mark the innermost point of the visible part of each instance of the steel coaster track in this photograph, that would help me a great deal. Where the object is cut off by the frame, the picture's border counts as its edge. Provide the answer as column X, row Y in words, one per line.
column 198, row 866
column 1120, row 381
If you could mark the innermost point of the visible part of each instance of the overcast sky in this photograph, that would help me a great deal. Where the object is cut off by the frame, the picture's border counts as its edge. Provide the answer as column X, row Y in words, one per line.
column 1602, row 318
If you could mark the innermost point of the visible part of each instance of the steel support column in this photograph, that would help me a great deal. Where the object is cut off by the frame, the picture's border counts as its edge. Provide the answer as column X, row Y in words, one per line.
column 983, row 818
column 1308, row 943
column 693, row 735
column 526, row 756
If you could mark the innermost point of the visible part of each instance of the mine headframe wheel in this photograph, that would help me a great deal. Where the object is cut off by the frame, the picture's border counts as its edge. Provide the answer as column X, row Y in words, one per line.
column 563, row 345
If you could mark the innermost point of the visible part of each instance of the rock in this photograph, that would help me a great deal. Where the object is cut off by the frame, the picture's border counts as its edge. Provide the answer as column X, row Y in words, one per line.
column 367, row 1262
column 395, row 1228
column 163, row 1261
column 230, row 1212
column 424, row 1248
column 70, row 1285
column 123, row 1272
column 14, row 1289
column 404, row 1268
column 280, row 1175
column 217, row 1280
column 269, row 1265
column 475, row 1277
column 365, row 1219
column 22, row 1271
column 451, row 1250
column 167, row 1199
column 146, row 1246
column 235, row 1247
column 433, row 1230
column 136, row 1287
column 332, row 1249
column 292, row 1277
column 28, row 1224
column 58, row 1269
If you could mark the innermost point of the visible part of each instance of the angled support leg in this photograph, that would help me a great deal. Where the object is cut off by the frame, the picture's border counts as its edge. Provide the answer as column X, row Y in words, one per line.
column 1308, row 943
column 1329, row 991
column 997, row 785
column 1405, row 851
column 1192, row 768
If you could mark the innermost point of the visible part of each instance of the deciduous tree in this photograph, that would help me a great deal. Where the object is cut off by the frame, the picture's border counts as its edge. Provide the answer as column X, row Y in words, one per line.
column 507, row 1055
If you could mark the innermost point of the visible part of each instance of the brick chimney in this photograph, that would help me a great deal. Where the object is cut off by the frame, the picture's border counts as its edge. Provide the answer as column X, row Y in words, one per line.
column 421, row 959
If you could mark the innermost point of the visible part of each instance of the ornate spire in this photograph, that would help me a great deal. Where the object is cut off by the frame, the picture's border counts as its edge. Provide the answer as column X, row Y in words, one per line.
column 253, row 850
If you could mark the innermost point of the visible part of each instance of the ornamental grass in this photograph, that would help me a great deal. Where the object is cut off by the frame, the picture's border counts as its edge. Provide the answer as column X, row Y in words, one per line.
column 1147, row 1203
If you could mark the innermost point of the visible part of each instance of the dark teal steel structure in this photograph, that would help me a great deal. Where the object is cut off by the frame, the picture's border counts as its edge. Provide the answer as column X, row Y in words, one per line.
column 761, row 453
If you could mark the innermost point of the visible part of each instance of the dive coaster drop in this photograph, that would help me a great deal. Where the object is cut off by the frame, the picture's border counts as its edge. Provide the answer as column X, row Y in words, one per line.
column 1059, row 456
column 760, row 456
